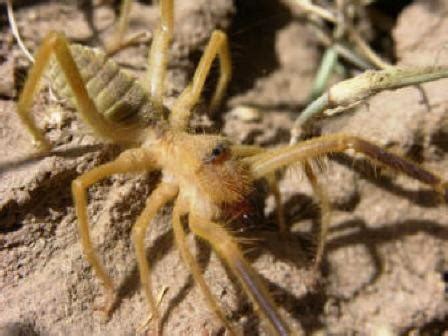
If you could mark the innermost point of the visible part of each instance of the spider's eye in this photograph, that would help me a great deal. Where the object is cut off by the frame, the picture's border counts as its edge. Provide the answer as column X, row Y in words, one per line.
column 217, row 151
column 218, row 154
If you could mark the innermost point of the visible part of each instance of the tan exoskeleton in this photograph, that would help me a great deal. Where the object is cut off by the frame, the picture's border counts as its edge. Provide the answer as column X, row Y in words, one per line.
column 205, row 175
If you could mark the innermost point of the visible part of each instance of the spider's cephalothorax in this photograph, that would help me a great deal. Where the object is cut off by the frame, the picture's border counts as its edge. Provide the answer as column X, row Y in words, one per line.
column 205, row 175
column 204, row 168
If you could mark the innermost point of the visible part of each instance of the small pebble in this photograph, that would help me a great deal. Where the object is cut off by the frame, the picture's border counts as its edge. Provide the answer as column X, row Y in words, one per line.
column 246, row 113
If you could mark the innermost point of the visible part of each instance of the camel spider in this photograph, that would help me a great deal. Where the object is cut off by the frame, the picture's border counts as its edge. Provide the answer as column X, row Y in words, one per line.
column 205, row 175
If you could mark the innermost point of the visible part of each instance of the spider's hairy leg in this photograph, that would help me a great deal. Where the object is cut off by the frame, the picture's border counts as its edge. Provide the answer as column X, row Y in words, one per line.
column 158, row 55
column 226, row 246
column 280, row 211
column 246, row 150
column 269, row 161
column 164, row 193
column 325, row 210
column 56, row 43
column 132, row 160
column 217, row 46
column 179, row 210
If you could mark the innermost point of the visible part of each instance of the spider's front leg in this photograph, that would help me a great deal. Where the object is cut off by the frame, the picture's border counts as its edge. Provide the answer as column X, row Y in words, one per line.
column 266, row 163
column 132, row 160
column 269, row 161
column 249, row 152
column 325, row 210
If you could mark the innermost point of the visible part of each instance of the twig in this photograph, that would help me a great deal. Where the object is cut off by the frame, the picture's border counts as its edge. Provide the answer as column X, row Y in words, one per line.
column 354, row 35
column 343, row 51
column 350, row 92
column 15, row 31
column 329, row 60
column 308, row 7
column 366, row 50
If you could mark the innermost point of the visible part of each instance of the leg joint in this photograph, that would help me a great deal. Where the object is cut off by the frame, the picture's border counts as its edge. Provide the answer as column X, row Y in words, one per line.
column 77, row 184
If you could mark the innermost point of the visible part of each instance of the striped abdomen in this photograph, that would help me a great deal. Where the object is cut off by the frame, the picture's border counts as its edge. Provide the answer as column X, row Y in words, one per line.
column 118, row 96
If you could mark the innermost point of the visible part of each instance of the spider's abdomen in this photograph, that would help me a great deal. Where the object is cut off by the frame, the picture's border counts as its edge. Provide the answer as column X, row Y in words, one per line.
column 118, row 96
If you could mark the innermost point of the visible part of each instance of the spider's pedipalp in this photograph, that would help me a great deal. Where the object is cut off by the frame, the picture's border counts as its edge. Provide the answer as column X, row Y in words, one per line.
column 179, row 210
column 226, row 246
column 265, row 163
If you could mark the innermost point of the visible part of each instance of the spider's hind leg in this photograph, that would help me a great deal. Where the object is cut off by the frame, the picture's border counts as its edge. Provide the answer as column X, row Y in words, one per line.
column 56, row 43
column 182, row 108
column 158, row 54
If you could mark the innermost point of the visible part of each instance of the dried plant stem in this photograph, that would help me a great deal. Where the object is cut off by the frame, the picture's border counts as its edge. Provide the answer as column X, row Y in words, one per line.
column 350, row 92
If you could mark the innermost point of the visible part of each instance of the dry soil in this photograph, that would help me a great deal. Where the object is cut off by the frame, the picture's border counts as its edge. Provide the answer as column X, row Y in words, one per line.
column 386, row 260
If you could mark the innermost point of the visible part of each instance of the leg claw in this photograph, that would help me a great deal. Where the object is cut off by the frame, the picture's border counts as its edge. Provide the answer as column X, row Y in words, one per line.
column 107, row 308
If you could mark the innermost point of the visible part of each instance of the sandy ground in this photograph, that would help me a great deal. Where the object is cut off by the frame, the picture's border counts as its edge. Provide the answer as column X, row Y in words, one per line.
column 386, row 261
